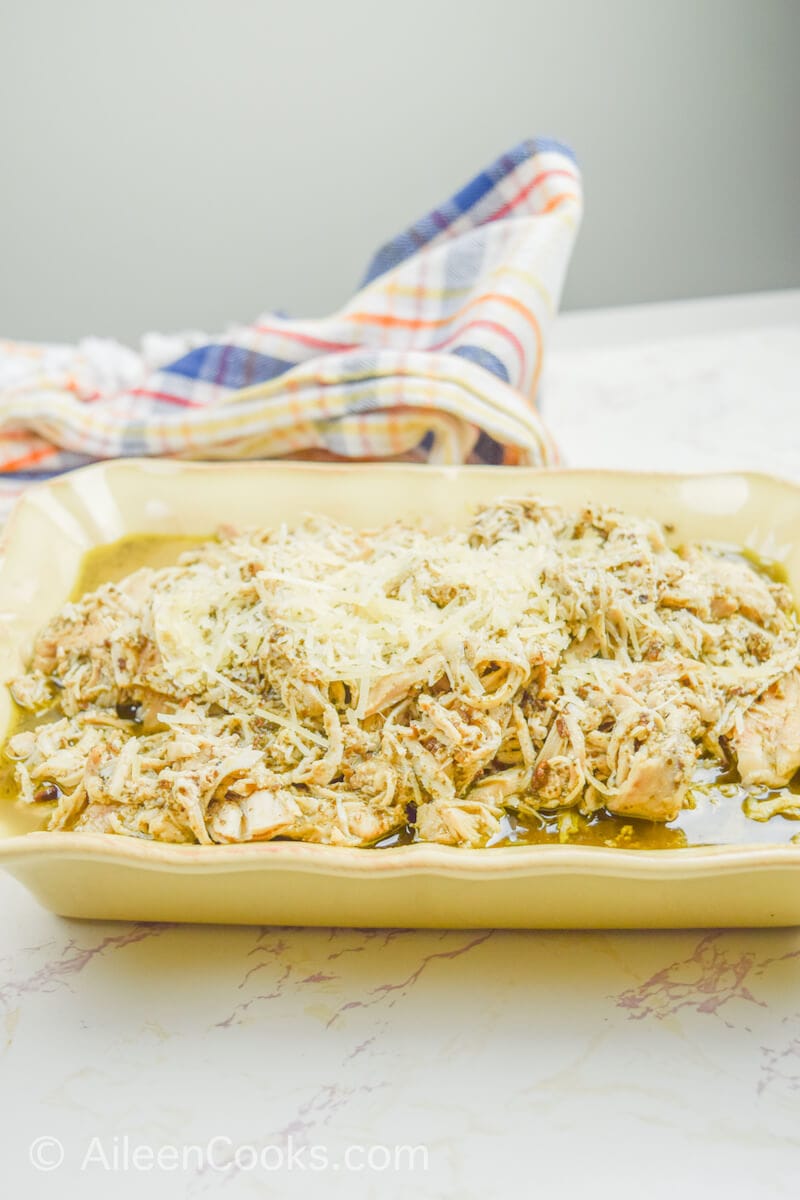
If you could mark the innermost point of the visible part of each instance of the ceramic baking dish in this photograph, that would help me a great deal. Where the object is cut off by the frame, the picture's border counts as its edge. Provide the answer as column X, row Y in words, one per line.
column 554, row 886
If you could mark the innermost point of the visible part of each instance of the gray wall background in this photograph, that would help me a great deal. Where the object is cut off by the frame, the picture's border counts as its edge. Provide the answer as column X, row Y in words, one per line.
column 171, row 165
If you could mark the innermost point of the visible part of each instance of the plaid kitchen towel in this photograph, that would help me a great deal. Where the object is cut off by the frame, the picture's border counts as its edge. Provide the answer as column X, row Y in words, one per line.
column 436, row 358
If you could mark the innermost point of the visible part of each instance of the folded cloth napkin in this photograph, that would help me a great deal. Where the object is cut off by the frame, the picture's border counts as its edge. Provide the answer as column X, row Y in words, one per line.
column 436, row 358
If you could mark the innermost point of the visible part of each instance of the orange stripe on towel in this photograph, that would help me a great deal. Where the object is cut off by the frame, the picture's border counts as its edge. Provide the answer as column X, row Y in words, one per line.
column 28, row 460
column 389, row 320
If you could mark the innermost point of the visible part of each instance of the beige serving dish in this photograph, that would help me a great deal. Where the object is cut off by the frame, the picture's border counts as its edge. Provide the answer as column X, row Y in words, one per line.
column 547, row 886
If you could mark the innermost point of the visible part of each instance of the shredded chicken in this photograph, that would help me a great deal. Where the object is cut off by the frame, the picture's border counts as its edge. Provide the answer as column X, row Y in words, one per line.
column 331, row 685
column 767, row 740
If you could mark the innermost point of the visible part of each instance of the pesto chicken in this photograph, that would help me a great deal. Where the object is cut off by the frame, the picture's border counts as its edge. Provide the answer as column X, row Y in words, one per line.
column 334, row 685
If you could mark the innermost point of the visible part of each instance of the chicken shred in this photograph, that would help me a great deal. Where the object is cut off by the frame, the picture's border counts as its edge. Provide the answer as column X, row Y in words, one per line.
column 332, row 685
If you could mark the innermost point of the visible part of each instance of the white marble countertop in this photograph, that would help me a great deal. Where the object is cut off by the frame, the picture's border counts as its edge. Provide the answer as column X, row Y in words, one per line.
column 626, row 1064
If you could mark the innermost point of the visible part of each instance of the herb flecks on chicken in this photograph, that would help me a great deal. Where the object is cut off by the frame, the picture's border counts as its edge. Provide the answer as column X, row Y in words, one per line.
column 330, row 685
